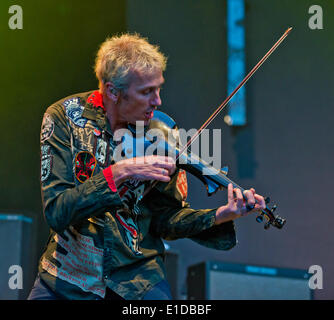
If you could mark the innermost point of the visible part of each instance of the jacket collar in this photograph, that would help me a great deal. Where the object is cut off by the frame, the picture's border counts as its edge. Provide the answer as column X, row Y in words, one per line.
column 95, row 110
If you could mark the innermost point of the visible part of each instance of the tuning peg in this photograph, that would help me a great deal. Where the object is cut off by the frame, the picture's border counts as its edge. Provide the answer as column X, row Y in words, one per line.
column 273, row 208
column 279, row 222
column 259, row 218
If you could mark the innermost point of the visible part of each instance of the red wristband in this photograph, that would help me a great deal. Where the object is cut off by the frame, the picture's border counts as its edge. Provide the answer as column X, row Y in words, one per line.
column 110, row 179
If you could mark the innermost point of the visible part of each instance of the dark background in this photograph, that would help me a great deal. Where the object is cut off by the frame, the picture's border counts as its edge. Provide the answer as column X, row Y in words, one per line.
column 285, row 151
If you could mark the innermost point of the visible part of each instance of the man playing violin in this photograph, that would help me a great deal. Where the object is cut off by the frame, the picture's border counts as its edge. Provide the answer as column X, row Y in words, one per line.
column 106, row 237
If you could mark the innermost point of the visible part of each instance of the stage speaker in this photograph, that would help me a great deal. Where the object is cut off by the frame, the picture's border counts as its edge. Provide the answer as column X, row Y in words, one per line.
column 172, row 270
column 15, row 256
column 213, row 280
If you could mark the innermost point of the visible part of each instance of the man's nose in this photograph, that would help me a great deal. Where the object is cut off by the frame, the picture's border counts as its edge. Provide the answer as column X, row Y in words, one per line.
column 156, row 100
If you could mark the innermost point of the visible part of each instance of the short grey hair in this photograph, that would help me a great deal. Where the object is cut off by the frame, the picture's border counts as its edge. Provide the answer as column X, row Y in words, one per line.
column 119, row 56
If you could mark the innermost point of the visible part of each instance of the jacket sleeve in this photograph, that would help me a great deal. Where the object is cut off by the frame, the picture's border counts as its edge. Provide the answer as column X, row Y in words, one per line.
column 65, row 203
column 174, row 219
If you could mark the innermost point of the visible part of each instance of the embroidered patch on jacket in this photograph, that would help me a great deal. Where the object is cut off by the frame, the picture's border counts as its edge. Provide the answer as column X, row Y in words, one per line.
column 182, row 185
column 46, row 162
column 131, row 233
column 85, row 164
column 74, row 111
column 47, row 127
column 130, row 193
column 82, row 265
column 101, row 151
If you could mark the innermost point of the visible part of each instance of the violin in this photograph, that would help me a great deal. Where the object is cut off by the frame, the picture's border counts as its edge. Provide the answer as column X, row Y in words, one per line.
column 212, row 178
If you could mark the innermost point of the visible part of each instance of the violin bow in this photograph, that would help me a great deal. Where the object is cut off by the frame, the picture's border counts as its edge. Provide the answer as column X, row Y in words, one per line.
column 227, row 100
column 232, row 94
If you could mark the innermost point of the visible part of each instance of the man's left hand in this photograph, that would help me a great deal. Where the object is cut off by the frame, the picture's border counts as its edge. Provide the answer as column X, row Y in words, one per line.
column 237, row 206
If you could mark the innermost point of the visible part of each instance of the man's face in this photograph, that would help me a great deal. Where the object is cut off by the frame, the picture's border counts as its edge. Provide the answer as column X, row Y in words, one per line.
column 141, row 98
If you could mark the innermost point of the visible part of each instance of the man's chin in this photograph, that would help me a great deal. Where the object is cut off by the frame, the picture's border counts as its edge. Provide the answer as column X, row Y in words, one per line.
column 147, row 122
column 140, row 124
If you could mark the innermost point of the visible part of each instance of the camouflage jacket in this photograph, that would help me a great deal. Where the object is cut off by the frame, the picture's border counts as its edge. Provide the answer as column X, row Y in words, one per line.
column 102, row 236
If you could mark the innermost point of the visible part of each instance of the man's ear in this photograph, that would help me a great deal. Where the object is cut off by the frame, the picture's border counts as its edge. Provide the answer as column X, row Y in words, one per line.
column 112, row 92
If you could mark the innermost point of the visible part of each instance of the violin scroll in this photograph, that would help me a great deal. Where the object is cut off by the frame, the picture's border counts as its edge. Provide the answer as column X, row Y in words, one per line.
column 271, row 219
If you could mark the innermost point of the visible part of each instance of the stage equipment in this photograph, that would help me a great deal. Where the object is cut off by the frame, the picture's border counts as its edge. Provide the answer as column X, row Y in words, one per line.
column 15, row 256
column 214, row 280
